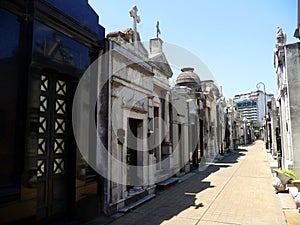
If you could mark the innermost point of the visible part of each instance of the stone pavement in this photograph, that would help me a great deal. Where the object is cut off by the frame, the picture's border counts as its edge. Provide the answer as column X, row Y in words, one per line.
column 235, row 190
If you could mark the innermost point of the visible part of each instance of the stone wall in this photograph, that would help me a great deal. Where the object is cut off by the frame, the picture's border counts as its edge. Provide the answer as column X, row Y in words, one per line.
column 293, row 75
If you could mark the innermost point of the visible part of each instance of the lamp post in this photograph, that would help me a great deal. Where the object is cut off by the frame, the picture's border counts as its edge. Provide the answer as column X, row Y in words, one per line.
column 265, row 102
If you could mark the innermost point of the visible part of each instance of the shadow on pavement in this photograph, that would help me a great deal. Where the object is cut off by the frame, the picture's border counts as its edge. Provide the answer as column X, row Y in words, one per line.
column 174, row 200
column 233, row 157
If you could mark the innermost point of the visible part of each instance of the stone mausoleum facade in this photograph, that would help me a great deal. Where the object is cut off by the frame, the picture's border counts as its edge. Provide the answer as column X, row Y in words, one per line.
column 286, row 63
column 46, row 47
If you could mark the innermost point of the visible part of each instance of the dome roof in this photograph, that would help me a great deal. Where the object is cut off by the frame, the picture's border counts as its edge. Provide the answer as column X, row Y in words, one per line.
column 188, row 78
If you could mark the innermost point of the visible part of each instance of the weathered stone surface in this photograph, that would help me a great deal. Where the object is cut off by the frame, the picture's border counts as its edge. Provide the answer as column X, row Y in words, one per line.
column 188, row 78
column 277, row 184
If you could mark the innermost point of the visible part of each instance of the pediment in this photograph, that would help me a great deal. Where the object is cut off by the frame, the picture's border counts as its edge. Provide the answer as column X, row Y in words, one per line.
column 162, row 63
column 58, row 52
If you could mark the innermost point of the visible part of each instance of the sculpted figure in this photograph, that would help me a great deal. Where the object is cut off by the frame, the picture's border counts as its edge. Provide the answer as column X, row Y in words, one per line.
column 280, row 36
column 278, row 51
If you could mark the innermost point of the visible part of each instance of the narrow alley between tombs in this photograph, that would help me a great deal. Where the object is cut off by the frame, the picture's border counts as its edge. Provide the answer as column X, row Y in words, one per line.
column 234, row 190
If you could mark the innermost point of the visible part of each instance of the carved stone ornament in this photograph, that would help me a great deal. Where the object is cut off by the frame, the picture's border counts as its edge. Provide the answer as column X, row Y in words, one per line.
column 281, row 180
column 134, row 104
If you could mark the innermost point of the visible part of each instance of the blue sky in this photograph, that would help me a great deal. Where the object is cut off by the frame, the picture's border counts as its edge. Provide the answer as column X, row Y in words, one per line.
column 234, row 38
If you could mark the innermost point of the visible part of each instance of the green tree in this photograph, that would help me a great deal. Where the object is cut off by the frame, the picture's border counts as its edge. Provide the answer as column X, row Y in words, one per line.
column 254, row 125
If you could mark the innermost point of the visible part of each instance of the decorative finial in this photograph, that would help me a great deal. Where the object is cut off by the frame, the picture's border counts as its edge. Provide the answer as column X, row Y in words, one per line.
column 157, row 29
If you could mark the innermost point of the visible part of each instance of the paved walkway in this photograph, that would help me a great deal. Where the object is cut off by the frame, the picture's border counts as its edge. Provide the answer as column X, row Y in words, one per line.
column 236, row 190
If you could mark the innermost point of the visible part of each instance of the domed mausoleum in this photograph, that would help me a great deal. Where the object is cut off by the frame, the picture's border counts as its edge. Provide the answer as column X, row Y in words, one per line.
column 188, row 78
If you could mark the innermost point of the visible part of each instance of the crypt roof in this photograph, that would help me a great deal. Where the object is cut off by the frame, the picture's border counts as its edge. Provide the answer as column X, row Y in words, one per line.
column 211, row 88
column 188, row 78
column 125, row 38
column 126, row 34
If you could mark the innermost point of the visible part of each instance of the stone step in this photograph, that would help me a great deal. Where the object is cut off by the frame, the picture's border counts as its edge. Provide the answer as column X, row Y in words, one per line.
column 186, row 176
column 136, row 204
column 286, row 201
column 293, row 191
column 167, row 183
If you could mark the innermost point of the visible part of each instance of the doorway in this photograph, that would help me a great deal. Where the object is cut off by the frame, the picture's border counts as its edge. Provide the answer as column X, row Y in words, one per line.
column 157, row 137
column 201, row 140
column 134, row 150
column 181, row 148
column 55, row 144
column 194, row 162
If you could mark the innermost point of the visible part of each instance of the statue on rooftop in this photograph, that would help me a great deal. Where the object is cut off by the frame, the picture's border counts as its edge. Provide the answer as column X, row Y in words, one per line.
column 279, row 51
column 280, row 36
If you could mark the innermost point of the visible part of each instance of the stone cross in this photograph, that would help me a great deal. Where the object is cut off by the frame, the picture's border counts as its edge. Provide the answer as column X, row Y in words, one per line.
column 157, row 29
column 297, row 31
column 136, row 20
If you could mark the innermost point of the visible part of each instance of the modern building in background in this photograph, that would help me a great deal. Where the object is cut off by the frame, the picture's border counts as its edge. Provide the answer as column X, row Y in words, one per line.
column 252, row 105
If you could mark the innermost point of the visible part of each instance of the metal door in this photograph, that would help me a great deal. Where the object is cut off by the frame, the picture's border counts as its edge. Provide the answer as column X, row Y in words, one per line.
column 54, row 142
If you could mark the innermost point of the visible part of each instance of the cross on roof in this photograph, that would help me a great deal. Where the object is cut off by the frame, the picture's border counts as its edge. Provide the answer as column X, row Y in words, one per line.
column 136, row 20
column 157, row 29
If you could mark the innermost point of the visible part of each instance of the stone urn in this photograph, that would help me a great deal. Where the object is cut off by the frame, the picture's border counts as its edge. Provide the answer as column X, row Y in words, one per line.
column 280, row 181
column 296, row 183
column 297, row 201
